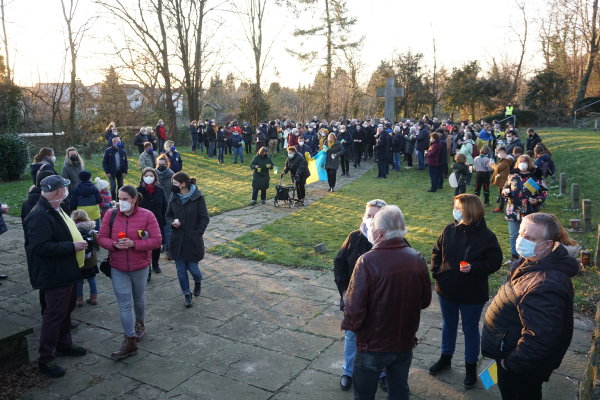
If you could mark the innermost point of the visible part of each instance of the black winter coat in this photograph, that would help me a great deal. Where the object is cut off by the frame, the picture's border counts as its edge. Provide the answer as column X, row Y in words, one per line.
column 359, row 137
column 298, row 167
column 383, row 146
column 45, row 165
column 211, row 134
column 187, row 241
column 49, row 247
column 261, row 165
column 398, row 143
column 529, row 323
column 423, row 139
column 155, row 202
column 532, row 141
column 355, row 245
column 474, row 243
column 108, row 162
column 337, row 150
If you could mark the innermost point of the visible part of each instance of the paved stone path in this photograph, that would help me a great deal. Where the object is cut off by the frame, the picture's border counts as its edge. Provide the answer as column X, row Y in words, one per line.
column 259, row 331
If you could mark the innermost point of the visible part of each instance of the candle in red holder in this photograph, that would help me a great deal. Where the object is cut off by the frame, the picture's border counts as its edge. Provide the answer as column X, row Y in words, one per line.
column 121, row 235
column 463, row 265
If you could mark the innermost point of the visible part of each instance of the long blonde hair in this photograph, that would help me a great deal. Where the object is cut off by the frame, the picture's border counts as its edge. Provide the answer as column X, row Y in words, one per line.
column 68, row 160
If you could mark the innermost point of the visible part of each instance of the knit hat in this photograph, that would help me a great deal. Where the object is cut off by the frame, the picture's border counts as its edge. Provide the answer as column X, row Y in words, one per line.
column 85, row 176
column 101, row 184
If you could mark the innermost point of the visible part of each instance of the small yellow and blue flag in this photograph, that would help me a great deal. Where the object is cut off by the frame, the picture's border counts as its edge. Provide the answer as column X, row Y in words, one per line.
column 531, row 185
column 489, row 376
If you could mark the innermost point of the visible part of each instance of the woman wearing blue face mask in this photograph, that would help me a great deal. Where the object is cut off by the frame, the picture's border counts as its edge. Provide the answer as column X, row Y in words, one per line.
column 174, row 156
column 355, row 245
column 463, row 257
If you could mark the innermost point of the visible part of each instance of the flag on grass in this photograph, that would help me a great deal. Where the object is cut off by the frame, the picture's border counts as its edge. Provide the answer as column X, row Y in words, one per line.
column 532, row 185
column 489, row 376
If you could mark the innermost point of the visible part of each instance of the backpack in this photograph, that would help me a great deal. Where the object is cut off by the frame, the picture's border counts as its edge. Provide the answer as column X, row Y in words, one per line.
column 475, row 150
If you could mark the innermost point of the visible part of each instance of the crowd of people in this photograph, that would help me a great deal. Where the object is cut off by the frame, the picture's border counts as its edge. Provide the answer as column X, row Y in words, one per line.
column 67, row 217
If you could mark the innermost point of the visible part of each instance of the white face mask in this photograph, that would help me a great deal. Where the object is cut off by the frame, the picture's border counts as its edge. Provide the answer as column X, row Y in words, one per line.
column 523, row 167
column 124, row 206
column 149, row 180
column 370, row 237
column 53, row 159
column 290, row 155
column 365, row 227
column 301, row 143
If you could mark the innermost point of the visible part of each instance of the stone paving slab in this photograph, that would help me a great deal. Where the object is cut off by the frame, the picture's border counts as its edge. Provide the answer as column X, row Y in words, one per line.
column 259, row 331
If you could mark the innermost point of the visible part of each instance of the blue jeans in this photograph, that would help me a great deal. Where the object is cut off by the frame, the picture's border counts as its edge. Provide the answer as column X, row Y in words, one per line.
column 91, row 282
column 238, row 151
column 129, row 288
column 211, row 149
column 421, row 158
column 350, row 354
column 367, row 366
column 434, row 172
column 221, row 151
column 182, row 273
column 470, row 315
column 397, row 161
column 167, row 239
column 195, row 138
column 513, row 233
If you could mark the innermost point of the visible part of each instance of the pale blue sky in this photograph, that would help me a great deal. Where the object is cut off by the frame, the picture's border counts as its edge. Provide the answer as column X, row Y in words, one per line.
column 463, row 29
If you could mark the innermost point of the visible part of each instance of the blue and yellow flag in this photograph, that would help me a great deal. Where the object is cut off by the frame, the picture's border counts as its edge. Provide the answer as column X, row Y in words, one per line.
column 531, row 185
column 489, row 376
column 316, row 166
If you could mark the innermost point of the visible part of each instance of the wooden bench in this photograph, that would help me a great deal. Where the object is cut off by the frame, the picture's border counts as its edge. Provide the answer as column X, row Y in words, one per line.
column 13, row 345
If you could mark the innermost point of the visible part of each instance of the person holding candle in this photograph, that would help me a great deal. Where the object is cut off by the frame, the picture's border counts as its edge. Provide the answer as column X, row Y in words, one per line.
column 130, row 234
column 466, row 253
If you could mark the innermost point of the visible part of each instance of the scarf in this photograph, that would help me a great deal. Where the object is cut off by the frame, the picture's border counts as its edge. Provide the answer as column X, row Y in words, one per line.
column 186, row 197
column 150, row 188
column 330, row 143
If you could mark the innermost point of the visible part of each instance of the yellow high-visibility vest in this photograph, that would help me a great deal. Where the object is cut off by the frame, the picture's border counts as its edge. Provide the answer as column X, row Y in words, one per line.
column 508, row 111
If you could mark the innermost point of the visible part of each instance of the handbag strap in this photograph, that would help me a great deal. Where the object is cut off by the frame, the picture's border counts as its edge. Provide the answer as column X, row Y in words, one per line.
column 113, row 215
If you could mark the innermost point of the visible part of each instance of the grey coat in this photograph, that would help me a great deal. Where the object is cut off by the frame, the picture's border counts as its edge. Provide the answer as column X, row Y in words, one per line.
column 147, row 160
column 70, row 171
column 337, row 150
column 186, row 241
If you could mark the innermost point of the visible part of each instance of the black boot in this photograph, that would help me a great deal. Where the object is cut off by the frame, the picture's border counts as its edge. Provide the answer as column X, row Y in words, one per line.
column 187, row 300
column 197, row 288
column 445, row 362
column 471, row 375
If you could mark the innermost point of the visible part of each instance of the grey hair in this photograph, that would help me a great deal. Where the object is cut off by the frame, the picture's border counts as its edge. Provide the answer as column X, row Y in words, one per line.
column 468, row 135
column 391, row 221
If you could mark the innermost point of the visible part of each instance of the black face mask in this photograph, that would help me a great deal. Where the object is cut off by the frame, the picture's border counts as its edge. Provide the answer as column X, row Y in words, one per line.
column 74, row 158
column 162, row 168
column 175, row 189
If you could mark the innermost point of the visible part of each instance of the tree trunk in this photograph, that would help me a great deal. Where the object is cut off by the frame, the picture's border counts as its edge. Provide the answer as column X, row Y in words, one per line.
column 592, row 55
column 171, row 112
column 5, row 40
column 329, row 63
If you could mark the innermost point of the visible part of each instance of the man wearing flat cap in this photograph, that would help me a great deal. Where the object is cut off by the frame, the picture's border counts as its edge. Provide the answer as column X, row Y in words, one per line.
column 55, row 253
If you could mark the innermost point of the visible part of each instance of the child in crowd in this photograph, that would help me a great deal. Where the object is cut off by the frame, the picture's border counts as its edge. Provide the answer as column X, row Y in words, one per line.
column 461, row 171
column 482, row 168
column 89, row 269
column 107, row 201
column 86, row 197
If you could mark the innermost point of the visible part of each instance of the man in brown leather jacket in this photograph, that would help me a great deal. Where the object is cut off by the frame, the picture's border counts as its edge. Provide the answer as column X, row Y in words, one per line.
column 388, row 289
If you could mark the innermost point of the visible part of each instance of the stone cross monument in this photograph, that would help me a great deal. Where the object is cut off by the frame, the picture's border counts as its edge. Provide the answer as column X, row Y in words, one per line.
column 390, row 92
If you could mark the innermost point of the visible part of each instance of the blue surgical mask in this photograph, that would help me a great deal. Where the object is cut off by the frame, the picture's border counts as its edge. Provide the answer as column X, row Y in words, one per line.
column 525, row 247
column 172, row 148
column 457, row 214
column 119, row 145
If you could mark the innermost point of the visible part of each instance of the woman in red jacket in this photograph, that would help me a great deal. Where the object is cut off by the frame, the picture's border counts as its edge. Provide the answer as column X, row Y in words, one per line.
column 432, row 159
column 130, row 235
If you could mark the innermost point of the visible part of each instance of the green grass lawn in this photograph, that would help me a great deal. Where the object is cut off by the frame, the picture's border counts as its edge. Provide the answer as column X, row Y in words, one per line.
column 226, row 186
column 290, row 240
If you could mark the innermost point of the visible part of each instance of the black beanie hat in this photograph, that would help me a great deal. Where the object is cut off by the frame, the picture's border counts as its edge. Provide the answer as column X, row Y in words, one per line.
column 85, row 176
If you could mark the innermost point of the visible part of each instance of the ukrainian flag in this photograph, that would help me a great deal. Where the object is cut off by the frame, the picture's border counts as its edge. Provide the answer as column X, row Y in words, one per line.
column 316, row 166
column 531, row 185
column 489, row 376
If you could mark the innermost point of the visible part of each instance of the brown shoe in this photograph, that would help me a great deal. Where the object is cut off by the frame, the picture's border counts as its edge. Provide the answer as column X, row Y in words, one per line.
column 128, row 348
column 79, row 302
column 140, row 330
column 93, row 300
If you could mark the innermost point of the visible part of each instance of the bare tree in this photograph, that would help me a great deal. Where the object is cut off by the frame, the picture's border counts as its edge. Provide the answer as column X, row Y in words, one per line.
column 591, row 31
column 252, row 14
column 74, row 37
column 522, row 35
column 149, row 42
column 5, row 42
column 192, row 42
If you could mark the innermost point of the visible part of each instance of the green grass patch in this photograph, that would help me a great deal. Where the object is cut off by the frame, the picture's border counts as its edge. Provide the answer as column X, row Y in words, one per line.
column 226, row 186
column 290, row 240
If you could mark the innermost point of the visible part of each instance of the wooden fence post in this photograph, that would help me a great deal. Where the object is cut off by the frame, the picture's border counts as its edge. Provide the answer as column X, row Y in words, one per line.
column 575, row 196
column 563, row 184
column 587, row 215
column 597, row 258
